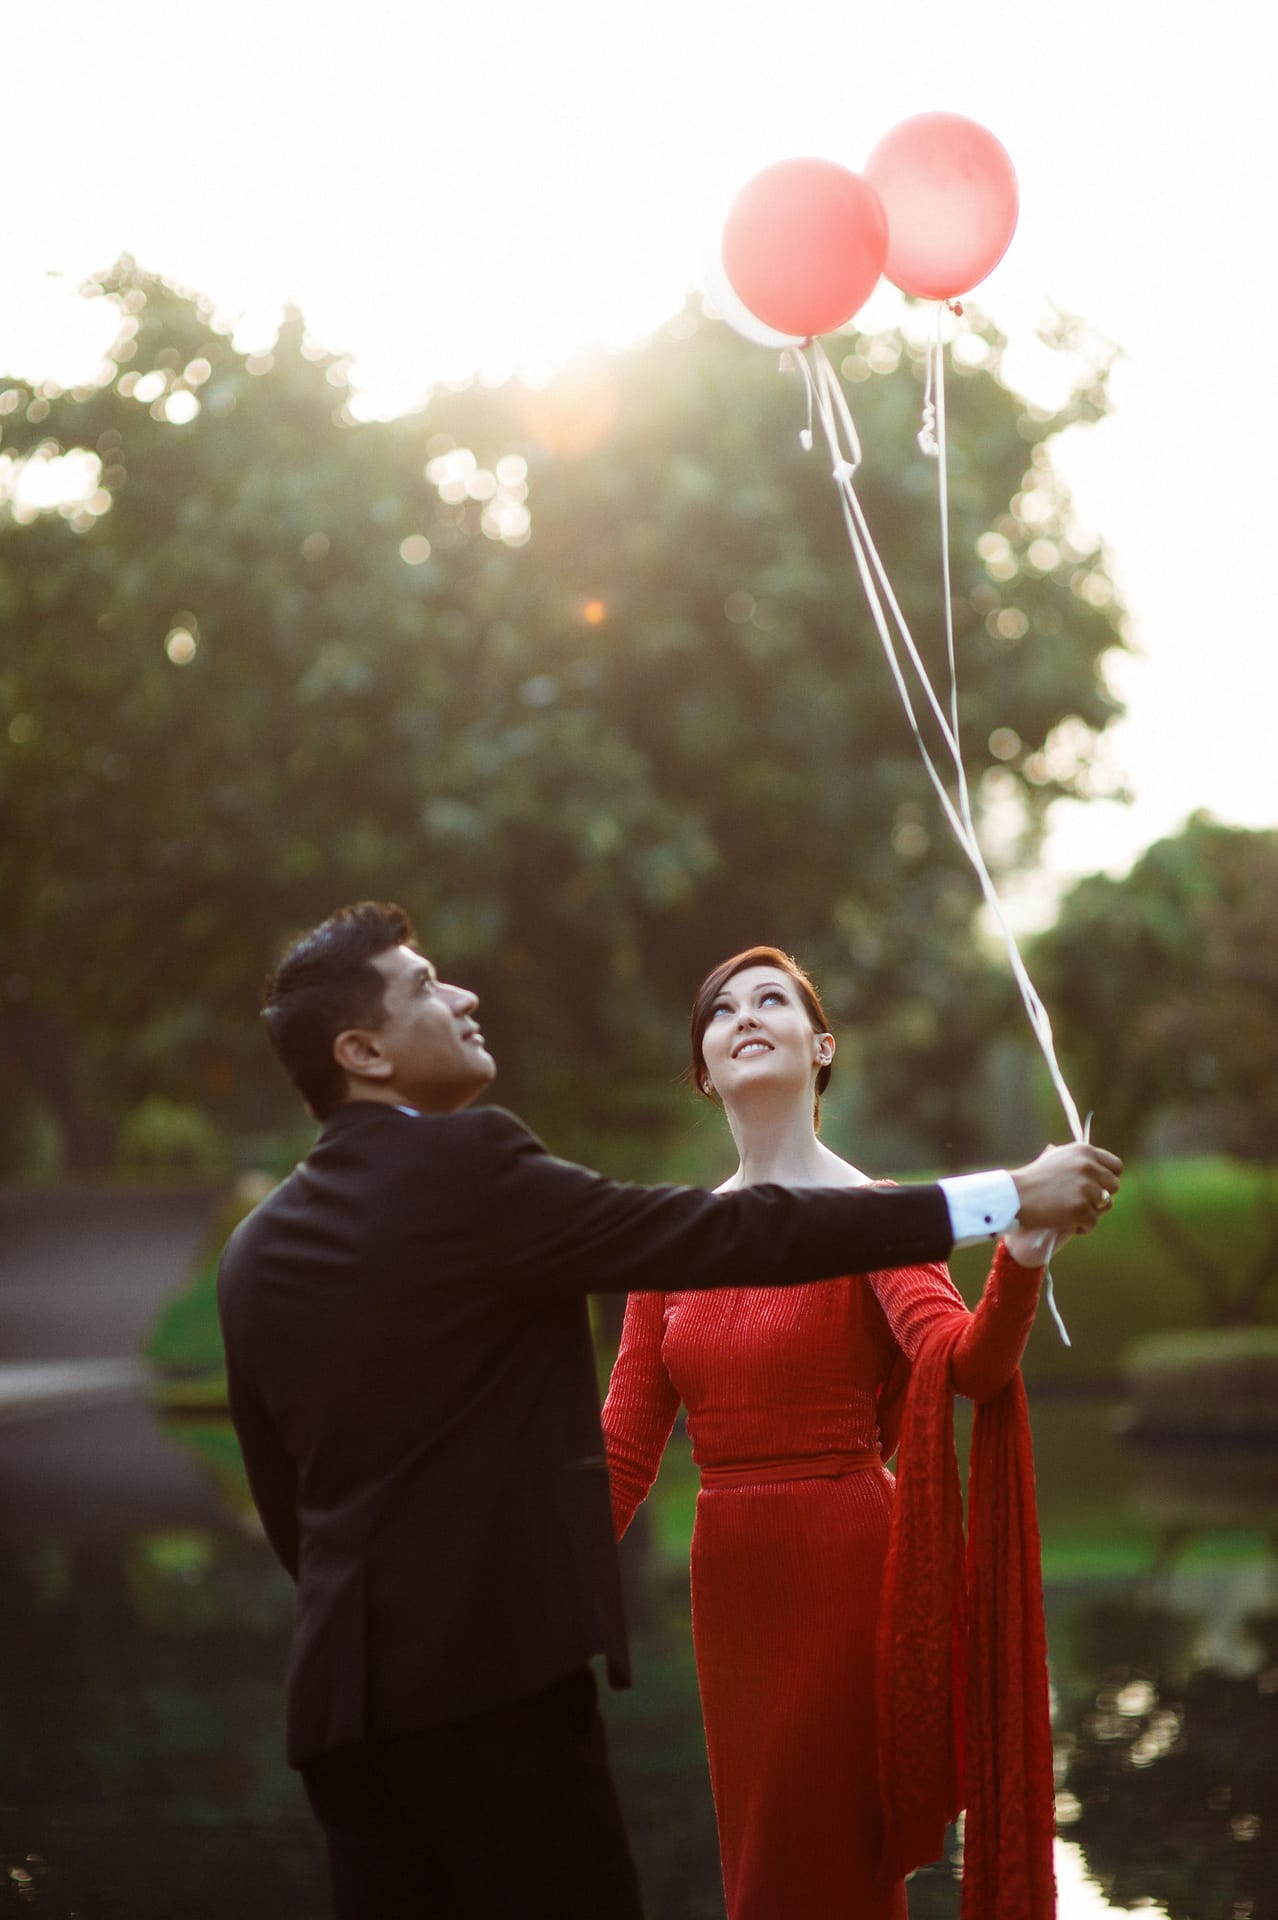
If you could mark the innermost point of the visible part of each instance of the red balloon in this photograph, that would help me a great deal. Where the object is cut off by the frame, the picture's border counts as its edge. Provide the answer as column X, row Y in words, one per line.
column 804, row 244
column 949, row 192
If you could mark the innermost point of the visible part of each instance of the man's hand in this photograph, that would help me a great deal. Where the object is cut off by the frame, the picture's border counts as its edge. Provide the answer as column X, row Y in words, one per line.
column 1067, row 1188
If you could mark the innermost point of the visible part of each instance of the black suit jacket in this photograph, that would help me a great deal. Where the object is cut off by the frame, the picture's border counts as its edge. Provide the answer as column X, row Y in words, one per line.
column 413, row 1386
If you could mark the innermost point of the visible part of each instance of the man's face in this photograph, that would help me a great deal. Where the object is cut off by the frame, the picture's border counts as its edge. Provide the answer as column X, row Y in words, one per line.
column 430, row 1037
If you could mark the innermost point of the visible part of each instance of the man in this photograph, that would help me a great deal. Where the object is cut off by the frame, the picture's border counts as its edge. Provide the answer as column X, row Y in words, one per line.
column 413, row 1385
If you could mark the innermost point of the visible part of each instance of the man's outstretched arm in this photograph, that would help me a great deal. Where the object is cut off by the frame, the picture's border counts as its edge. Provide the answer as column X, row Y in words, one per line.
column 1063, row 1192
column 570, row 1229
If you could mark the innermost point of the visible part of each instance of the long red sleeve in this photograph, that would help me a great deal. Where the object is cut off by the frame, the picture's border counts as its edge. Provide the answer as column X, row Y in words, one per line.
column 640, row 1409
column 988, row 1351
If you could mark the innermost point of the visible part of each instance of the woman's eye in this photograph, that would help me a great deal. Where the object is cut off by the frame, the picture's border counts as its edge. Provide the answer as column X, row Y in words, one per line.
column 773, row 994
column 716, row 1011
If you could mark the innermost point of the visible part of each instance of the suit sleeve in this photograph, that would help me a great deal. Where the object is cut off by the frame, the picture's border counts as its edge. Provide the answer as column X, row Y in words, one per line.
column 640, row 1409
column 558, row 1224
column 989, row 1349
column 272, row 1476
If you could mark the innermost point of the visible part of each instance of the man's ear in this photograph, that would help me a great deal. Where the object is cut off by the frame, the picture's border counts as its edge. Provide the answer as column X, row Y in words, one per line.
column 358, row 1051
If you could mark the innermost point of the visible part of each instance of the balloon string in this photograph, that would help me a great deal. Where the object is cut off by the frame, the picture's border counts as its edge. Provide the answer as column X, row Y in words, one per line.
column 937, row 372
column 927, row 432
column 830, row 405
column 805, row 436
column 934, row 441
column 832, row 409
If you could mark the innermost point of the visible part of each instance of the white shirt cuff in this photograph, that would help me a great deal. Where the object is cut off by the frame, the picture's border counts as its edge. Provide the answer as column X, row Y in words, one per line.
column 982, row 1205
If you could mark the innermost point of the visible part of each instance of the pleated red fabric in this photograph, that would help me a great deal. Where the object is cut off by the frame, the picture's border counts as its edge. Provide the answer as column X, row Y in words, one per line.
column 963, row 1707
column 793, row 1398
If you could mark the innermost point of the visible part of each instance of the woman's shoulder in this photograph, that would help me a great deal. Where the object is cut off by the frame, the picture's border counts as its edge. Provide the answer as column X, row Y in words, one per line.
column 838, row 1172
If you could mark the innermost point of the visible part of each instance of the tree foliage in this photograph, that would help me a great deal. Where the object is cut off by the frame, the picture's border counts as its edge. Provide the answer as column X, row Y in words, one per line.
column 1165, row 992
column 580, row 674
column 1166, row 1000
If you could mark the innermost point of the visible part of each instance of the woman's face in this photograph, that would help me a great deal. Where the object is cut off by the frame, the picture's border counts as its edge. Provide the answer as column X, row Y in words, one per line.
column 759, row 1036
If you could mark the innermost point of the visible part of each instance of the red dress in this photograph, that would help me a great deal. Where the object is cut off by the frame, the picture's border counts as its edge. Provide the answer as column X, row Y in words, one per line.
column 787, row 1390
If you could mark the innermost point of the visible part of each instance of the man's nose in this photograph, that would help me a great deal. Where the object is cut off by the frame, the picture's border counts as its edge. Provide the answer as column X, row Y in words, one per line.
column 461, row 999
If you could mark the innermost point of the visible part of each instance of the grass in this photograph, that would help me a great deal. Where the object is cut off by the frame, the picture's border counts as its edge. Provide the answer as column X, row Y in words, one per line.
column 1118, row 1286
column 1114, row 1287
column 185, row 1341
column 1164, row 1353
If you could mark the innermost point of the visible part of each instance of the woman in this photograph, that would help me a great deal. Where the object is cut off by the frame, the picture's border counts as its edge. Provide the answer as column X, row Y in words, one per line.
column 794, row 1402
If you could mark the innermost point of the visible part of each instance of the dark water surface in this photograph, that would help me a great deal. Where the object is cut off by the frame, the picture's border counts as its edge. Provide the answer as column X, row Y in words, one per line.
column 144, row 1625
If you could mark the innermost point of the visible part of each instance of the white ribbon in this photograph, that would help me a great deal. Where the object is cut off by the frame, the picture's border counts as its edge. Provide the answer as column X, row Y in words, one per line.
column 828, row 401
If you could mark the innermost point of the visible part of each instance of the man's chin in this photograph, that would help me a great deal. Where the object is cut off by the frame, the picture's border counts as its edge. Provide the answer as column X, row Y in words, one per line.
column 483, row 1071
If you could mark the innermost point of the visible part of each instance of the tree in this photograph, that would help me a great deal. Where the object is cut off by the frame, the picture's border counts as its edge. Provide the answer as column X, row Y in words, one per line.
column 580, row 674
column 1165, row 995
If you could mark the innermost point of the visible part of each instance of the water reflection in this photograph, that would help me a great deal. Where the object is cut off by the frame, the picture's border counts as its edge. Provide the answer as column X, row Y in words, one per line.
column 1170, row 1783
column 1168, row 1736
column 142, row 1709
column 141, row 1732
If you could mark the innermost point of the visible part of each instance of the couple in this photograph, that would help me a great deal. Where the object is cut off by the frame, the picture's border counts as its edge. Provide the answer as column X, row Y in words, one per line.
column 412, row 1381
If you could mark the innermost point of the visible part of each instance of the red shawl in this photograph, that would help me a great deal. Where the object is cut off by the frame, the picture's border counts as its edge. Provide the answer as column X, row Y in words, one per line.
column 963, row 1714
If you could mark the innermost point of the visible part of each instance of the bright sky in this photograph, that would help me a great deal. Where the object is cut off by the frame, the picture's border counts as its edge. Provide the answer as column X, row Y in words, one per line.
column 451, row 187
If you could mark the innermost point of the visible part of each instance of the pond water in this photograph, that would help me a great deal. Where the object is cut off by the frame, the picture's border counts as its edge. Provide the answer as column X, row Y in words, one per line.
column 141, row 1705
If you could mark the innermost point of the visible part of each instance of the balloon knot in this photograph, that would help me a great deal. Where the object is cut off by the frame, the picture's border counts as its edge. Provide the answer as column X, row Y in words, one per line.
column 955, row 306
column 805, row 439
column 844, row 470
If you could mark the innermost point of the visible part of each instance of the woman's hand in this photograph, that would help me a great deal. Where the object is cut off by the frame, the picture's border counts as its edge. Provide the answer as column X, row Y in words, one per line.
column 1030, row 1248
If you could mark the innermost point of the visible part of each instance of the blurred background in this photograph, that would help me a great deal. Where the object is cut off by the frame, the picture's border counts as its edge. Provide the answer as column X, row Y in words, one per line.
column 383, row 512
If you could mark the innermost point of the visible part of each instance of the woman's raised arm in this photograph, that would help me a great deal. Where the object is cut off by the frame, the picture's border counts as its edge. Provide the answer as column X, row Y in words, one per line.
column 990, row 1348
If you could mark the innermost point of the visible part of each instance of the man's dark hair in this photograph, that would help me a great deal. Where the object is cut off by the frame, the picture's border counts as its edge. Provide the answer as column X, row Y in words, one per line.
column 324, row 983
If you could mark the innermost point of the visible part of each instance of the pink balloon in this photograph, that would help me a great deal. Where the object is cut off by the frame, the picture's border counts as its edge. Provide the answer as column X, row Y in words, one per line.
column 803, row 245
column 731, row 310
column 949, row 192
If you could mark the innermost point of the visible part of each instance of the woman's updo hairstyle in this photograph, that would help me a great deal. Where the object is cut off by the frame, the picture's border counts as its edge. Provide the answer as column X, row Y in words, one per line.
column 717, row 979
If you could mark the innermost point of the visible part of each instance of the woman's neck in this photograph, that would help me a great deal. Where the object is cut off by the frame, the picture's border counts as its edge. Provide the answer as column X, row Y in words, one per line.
column 781, row 1146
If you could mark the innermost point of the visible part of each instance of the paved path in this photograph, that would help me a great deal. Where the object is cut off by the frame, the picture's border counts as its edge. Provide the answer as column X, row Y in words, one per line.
column 82, row 1274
